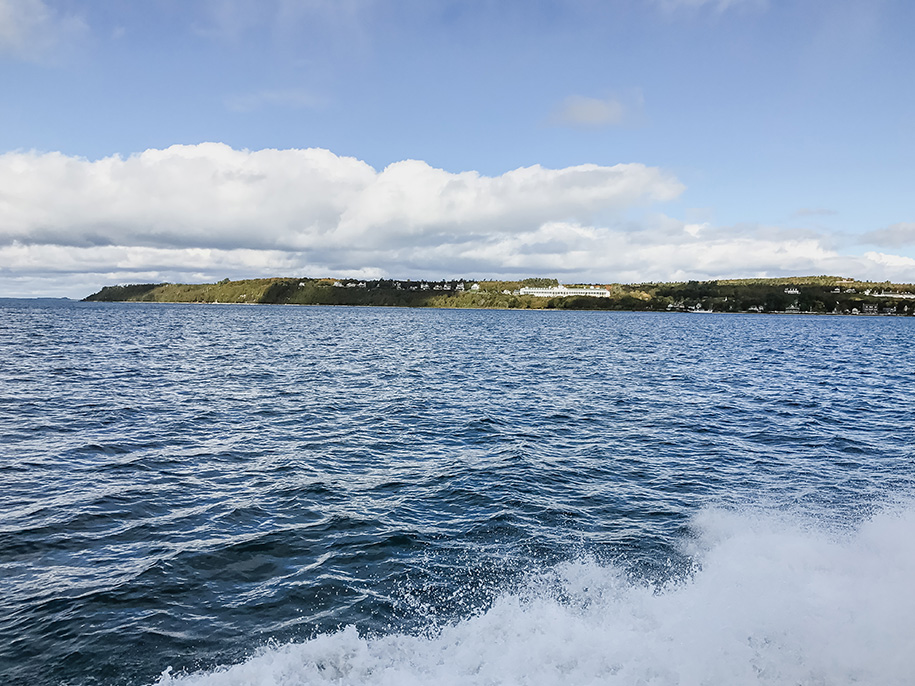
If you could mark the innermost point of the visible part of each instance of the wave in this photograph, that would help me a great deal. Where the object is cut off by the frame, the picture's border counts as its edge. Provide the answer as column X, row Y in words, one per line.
column 772, row 599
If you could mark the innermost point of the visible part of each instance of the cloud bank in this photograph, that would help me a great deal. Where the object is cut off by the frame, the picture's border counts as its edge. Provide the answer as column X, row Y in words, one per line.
column 200, row 212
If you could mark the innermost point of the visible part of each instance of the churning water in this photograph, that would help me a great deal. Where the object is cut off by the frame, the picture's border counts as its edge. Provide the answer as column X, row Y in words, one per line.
column 291, row 495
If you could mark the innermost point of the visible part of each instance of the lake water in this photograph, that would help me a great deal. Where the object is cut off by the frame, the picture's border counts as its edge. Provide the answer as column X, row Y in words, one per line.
column 298, row 495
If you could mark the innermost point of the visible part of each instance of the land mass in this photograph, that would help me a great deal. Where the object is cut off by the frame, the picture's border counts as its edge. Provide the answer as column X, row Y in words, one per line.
column 810, row 294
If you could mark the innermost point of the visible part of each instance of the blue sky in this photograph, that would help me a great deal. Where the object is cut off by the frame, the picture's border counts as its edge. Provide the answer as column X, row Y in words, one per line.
column 702, row 139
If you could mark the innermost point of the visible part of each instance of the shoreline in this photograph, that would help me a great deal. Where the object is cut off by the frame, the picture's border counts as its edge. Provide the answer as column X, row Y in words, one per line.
column 793, row 295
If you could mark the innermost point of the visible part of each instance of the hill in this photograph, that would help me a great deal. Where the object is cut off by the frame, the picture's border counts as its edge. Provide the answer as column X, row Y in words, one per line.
column 810, row 294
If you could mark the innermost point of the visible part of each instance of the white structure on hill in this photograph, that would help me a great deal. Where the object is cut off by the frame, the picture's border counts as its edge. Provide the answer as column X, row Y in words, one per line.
column 561, row 291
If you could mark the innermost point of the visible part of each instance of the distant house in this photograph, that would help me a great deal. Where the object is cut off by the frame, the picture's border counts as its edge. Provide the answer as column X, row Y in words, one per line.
column 791, row 290
column 475, row 287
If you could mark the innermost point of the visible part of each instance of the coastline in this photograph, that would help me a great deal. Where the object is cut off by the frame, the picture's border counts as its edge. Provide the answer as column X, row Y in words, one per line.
column 790, row 295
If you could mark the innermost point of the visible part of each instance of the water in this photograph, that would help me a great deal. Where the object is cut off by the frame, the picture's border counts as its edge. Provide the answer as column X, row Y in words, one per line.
column 292, row 495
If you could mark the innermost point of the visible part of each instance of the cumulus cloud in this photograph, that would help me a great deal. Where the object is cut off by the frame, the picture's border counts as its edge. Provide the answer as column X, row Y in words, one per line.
column 203, row 212
column 210, row 195
column 30, row 30
column 893, row 262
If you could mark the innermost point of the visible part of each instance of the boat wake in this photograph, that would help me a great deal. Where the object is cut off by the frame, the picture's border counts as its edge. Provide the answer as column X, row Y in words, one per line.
column 773, row 599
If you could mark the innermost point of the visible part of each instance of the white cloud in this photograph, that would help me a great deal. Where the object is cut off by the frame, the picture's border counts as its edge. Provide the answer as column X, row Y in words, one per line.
column 695, row 229
column 896, row 262
column 30, row 30
column 210, row 195
column 203, row 212
column 583, row 112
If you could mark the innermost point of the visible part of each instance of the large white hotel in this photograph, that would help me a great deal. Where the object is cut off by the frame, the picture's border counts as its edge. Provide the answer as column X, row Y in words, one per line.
column 561, row 291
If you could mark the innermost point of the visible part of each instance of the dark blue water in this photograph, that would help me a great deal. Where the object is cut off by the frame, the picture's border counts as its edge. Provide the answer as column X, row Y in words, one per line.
column 296, row 495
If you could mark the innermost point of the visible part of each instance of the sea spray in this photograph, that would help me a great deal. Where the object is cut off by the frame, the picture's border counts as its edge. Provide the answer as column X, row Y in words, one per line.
column 775, row 599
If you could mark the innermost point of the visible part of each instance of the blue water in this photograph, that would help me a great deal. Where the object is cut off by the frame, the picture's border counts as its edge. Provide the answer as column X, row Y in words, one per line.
column 298, row 495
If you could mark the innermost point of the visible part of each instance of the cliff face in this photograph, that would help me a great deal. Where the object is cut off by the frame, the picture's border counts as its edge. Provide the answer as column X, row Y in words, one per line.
column 821, row 295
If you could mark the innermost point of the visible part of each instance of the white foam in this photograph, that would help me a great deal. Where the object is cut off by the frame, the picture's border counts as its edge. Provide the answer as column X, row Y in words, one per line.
column 776, row 600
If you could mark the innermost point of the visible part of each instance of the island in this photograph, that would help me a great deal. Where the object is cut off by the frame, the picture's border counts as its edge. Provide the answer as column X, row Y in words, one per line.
column 791, row 295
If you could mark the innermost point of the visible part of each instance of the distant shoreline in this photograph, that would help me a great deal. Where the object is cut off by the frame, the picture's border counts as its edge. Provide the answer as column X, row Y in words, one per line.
column 789, row 295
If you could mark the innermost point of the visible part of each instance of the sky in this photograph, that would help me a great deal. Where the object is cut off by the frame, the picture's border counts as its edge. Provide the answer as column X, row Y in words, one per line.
column 592, row 141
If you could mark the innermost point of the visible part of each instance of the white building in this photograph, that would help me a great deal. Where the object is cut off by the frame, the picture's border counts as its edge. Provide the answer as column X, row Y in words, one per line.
column 561, row 291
